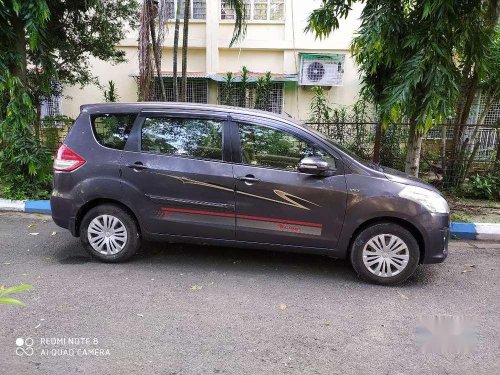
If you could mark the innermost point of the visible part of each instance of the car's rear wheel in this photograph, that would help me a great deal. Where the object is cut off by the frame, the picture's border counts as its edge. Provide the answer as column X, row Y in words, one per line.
column 385, row 253
column 110, row 233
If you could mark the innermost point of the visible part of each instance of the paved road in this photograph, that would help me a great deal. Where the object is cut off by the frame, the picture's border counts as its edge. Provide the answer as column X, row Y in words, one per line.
column 200, row 310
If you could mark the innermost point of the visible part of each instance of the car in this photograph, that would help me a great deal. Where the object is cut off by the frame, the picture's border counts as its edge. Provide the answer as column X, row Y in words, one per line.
column 218, row 175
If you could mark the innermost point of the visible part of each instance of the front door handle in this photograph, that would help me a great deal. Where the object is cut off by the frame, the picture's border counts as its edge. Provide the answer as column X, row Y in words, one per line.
column 137, row 166
column 249, row 179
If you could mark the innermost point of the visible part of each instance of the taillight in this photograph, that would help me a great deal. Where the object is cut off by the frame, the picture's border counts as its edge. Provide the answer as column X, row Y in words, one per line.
column 67, row 160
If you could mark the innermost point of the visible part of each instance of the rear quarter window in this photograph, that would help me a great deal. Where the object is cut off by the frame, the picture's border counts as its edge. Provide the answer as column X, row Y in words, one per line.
column 112, row 130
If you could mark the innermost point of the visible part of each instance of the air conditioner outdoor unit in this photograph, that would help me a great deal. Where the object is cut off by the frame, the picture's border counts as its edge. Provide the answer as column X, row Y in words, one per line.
column 321, row 69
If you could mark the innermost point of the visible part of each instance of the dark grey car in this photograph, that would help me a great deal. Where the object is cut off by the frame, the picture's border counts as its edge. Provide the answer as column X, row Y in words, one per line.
column 230, row 176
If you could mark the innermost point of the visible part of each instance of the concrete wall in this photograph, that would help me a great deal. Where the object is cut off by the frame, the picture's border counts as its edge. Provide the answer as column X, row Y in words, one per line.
column 268, row 46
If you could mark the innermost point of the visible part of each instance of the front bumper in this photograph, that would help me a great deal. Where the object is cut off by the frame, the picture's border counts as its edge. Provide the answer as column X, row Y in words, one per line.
column 436, row 236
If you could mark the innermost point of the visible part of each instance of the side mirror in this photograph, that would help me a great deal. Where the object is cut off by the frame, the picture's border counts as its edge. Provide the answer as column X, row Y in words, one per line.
column 314, row 165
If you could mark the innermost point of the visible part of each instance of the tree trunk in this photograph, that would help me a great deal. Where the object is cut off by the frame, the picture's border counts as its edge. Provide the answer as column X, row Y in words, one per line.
column 19, row 70
column 444, row 130
column 185, row 31
column 156, row 53
column 176, row 50
column 376, row 146
column 415, row 138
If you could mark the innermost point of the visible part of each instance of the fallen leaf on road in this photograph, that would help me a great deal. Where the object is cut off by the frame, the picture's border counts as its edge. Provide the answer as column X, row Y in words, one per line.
column 402, row 295
column 471, row 265
column 34, row 234
column 32, row 225
column 282, row 306
column 197, row 287
column 54, row 233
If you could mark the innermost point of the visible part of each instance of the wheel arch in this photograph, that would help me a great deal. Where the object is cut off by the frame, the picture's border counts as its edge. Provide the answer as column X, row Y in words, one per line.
column 82, row 211
column 390, row 219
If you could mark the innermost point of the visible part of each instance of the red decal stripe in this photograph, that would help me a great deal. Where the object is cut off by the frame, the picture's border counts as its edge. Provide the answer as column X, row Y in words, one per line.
column 259, row 218
column 197, row 212
column 279, row 220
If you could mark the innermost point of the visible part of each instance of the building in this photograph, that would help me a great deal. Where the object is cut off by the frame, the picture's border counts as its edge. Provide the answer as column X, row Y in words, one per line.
column 275, row 42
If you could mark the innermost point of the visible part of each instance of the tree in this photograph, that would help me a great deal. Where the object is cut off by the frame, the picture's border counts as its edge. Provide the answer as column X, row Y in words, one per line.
column 185, row 34
column 176, row 49
column 478, row 56
column 411, row 49
column 239, row 31
column 43, row 42
column 150, row 46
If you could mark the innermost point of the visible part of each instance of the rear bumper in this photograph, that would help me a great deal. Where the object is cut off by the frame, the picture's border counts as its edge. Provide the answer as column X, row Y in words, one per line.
column 437, row 235
column 63, row 213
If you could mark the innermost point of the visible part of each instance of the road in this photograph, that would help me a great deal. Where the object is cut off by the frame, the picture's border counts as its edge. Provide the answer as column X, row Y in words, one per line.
column 178, row 309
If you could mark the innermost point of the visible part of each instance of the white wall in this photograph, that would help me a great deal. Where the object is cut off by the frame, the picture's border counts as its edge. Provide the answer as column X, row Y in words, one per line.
column 268, row 46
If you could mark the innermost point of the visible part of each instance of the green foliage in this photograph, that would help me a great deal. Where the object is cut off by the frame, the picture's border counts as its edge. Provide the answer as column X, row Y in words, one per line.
column 320, row 109
column 487, row 187
column 263, row 92
column 110, row 94
column 228, row 89
column 392, row 146
column 243, row 100
column 25, row 166
column 7, row 291
column 79, row 30
column 240, row 15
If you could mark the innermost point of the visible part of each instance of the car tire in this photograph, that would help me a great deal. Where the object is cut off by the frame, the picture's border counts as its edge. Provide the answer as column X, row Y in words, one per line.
column 109, row 233
column 385, row 254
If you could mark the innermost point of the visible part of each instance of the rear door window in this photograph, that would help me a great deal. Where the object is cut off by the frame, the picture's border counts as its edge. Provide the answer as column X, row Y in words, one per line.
column 112, row 130
column 188, row 137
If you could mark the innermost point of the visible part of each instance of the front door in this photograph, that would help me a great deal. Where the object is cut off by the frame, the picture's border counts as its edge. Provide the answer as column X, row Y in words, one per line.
column 277, row 204
column 177, row 165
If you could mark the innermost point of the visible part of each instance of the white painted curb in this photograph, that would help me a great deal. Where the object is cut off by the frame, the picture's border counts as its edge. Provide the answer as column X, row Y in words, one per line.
column 487, row 231
column 9, row 205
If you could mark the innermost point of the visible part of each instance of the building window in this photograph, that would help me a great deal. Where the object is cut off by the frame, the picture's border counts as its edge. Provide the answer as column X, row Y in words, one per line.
column 258, row 10
column 235, row 96
column 51, row 106
column 197, row 11
column 197, row 90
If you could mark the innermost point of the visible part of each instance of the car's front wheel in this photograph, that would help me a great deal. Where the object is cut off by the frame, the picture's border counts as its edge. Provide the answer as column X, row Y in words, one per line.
column 110, row 233
column 385, row 253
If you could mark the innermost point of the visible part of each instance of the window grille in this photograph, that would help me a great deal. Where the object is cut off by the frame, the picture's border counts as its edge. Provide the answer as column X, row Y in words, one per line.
column 197, row 90
column 262, row 10
column 234, row 96
column 197, row 11
column 51, row 106
column 493, row 115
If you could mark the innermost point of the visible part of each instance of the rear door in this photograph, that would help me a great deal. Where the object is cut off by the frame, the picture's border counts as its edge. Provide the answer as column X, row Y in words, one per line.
column 178, row 164
column 277, row 204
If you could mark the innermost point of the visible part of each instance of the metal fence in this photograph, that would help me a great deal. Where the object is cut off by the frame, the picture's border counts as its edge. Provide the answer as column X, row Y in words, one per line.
column 52, row 133
column 479, row 145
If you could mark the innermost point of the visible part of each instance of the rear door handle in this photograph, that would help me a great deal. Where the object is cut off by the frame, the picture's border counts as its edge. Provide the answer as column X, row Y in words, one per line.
column 249, row 178
column 138, row 166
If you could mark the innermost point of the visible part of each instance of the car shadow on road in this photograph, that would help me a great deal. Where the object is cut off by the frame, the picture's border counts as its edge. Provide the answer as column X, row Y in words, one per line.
column 252, row 262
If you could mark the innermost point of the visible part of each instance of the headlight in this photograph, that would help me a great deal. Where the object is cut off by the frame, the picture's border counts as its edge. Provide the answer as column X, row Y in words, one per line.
column 430, row 200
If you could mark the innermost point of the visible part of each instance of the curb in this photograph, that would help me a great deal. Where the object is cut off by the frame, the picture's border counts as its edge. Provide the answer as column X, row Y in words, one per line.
column 38, row 207
column 462, row 231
